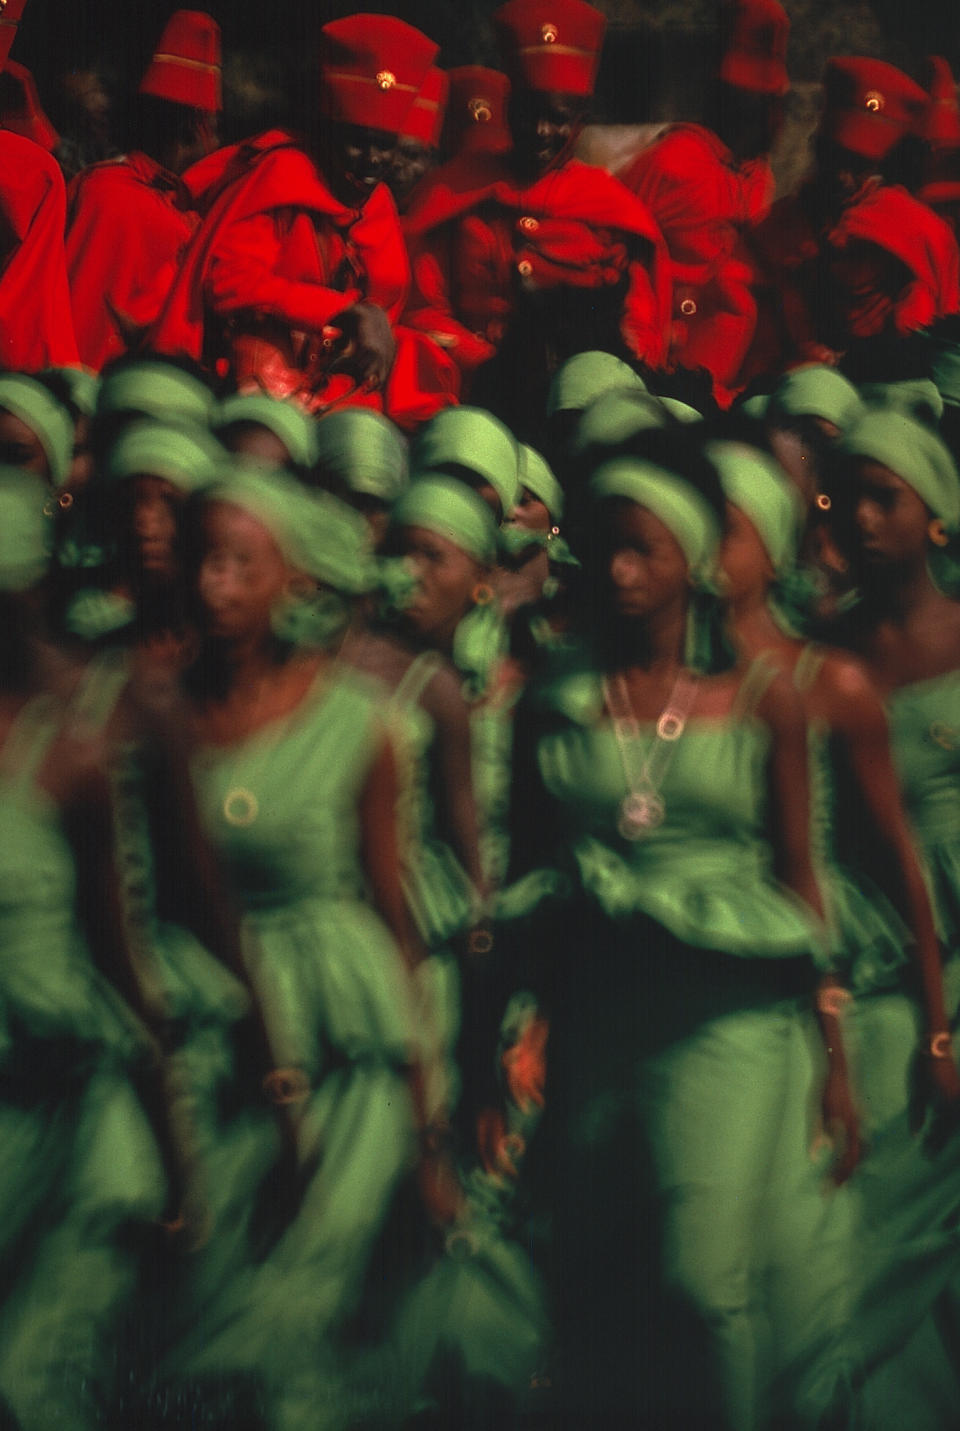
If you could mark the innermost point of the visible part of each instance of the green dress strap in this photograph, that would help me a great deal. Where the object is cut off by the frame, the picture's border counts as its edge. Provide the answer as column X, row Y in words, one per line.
column 756, row 682
column 416, row 678
column 28, row 740
column 98, row 691
column 808, row 667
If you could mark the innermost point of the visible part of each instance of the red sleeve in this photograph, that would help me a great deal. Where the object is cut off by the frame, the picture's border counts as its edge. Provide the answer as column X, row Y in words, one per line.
column 36, row 328
column 245, row 272
column 430, row 308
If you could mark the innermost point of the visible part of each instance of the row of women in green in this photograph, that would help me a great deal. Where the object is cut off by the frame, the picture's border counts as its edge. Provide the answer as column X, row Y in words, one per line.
column 450, row 979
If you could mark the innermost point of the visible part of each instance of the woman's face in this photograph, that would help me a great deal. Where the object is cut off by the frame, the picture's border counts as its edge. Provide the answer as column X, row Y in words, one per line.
column 21, row 447
column 744, row 559
column 242, row 576
column 890, row 521
column 446, row 578
column 252, row 439
column 531, row 513
column 643, row 566
column 152, row 530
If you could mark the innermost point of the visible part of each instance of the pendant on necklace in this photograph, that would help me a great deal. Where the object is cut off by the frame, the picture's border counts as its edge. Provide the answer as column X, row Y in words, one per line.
column 640, row 813
column 240, row 806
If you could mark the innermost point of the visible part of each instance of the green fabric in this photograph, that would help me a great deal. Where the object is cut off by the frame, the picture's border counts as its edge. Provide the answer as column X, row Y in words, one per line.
column 754, row 407
column 816, row 391
column 287, row 421
column 156, row 389
column 26, row 532
column 473, row 438
column 43, row 414
column 537, row 476
column 689, row 518
column 756, row 484
column 451, row 510
column 84, row 388
column 915, row 454
column 945, row 372
column 317, row 533
column 615, row 417
column 363, row 452
column 584, row 377
column 186, row 458
column 681, row 411
column 918, row 398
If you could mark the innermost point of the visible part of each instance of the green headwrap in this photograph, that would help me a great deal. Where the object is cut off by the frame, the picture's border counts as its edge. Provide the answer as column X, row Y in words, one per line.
column 156, row 389
column 918, row 398
column 915, row 454
column 584, row 377
column 945, row 371
column 679, row 506
column 34, row 405
column 615, row 417
column 537, row 476
column 26, row 532
column 452, row 511
column 681, row 411
column 317, row 533
column 816, row 391
column 473, row 438
column 288, row 422
column 755, row 408
column 84, row 388
column 755, row 483
column 188, row 459
column 364, row 452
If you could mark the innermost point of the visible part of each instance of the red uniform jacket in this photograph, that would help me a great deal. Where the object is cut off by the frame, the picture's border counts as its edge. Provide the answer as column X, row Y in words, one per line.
column 275, row 260
column 36, row 330
column 823, row 288
column 477, row 238
column 128, row 224
column 702, row 201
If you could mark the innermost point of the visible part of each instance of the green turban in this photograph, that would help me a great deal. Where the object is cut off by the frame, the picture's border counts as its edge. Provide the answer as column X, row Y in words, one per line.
column 84, row 388
column 451, row 510
column 584, row 377
column 537, row 476
column 755, row 483
column 26, row 532
column 317, row 533
column 288, row 422
column 615, row 417
column 156, row 389
column 915, row 454
column 363, row 452
column 945, row 371
column 473, row 438
column 185, row 457
column 35, row 406
column 682, row 509
column 916, row 397
column 816, row 391
column 681, row 412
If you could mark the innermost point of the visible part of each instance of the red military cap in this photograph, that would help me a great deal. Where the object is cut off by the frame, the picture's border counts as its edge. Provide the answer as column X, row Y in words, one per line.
column 940, row 121
column 551, row 45
column 185, row 68
column 755, row 57
column 870, row 105
column 23, row 113
column 424, row 119
column 477, row 111
column 372, row 67
column 10, row 16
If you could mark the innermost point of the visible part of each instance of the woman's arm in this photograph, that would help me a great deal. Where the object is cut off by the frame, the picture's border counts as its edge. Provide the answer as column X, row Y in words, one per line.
column 445, row 703
column 380, row 851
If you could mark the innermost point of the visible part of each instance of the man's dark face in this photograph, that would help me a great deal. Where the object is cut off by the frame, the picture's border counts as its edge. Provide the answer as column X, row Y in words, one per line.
column 411, row 160
column 358, row 160
column 543, row 126
column 841, row 174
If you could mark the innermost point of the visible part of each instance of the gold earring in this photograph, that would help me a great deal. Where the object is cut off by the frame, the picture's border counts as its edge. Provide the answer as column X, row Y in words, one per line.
column 937, row 533
column 482, row 594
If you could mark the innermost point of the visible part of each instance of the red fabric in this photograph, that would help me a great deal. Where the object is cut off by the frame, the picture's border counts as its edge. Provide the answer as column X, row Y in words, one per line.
column 27, row 115
column 869, row 105
column 702, row 200
column 894, row 221
column 36, row 330
column 372, row 67
column 756, row 55
column 276, row 258
column 473, row 229
column 128, row 224
column 9, row 20
column 477, row 111
column 552, row 46
column 185, row 67
column 424, row 119
column 940, row 122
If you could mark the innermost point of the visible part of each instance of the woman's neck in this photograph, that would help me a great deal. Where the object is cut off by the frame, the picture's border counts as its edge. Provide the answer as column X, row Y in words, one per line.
column 656, row 644
column 754, row 627
column 904, row 594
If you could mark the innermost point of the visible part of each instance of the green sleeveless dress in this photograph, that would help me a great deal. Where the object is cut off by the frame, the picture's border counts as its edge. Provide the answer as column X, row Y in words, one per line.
column 682, row 976
column 80, row 1164
column 281, row 807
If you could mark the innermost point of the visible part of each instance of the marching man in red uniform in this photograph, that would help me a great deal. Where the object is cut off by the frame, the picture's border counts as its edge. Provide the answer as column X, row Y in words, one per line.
column 35, row 325
column 850, row 258
column 524, row 258
column 298, row 273
column 706, row 188
column 130, row 219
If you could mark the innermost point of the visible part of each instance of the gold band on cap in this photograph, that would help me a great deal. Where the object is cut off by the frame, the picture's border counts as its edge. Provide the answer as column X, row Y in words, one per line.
column 371, row 80
column 186, row 64
column 554, row 49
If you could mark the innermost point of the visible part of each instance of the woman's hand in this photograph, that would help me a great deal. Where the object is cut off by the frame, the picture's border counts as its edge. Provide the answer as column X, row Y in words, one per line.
column 840, row 1127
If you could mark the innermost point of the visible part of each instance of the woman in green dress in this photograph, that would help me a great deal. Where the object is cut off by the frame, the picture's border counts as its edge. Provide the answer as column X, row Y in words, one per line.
column 673, row 795
column 83, row 1178
column 296, row 780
